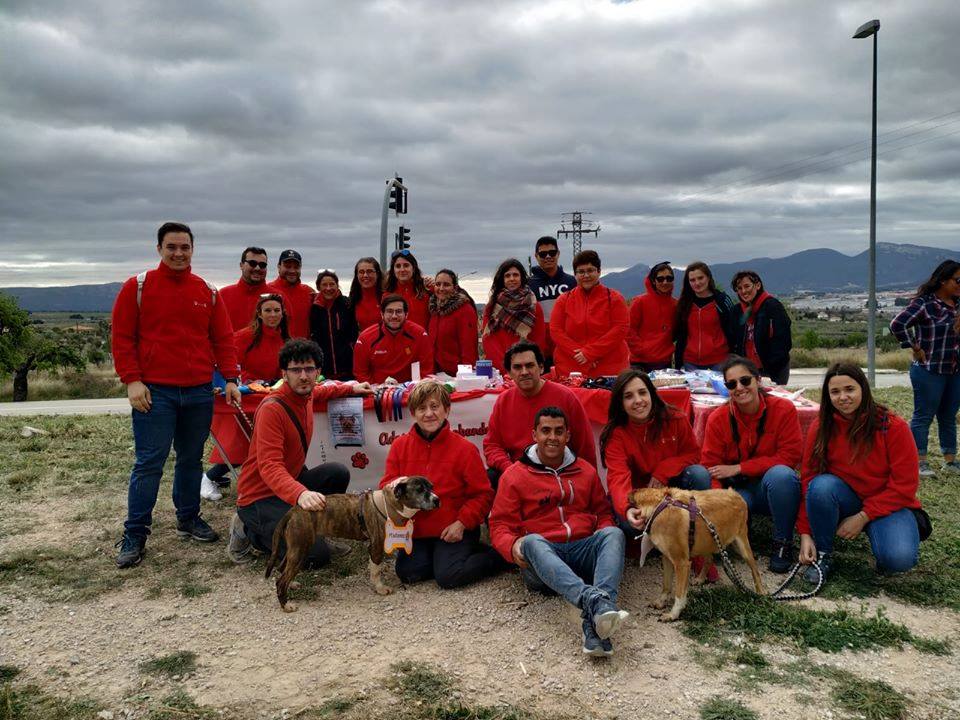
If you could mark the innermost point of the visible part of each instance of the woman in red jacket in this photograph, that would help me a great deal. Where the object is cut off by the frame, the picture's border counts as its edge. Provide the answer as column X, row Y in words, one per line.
column 366, row 289
column 453, row 324
column 752, row 444
column 589, row 324
column 405, row 279
column 704, row 327
column 859, row 475
column 512, row 313
column 258, row 352
column 652, row 317
column 446, row 541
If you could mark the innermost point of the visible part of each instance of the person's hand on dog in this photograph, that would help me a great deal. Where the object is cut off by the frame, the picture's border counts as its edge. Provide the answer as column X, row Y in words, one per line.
column 362, row 388
column 852, row 526
column 233, row 394
column 808, row 550
column 310, row 500
column 655, row 483
column 636, row 519
column 139, row 396
column 453, row 532
column 722, row 472
column 517, row 553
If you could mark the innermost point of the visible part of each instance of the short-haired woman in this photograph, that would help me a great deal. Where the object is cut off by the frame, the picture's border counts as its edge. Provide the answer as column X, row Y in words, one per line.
column 333, row 327
column 366, row 289
column 752, row 444
column 446, row 541
column 589, row 324
column 704, row 326
column 652, row 317
column 762, row 327
column 453, row 324
column 512, row 313
column 859, row 475
column 928, row 325
column 405, row 279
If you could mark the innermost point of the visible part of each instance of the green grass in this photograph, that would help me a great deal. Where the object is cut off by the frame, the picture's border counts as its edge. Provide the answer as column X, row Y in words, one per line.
column 178, row 705
column 58, row 575
column 175, row 664
column 8, row 673
column 720, row 708
column 30, row 702
column 870, row 699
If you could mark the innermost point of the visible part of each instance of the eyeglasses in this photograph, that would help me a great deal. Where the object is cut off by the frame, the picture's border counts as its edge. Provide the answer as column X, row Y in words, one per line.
column 664, row 278
column 588, row 270
column 256, row 264
column 544, row 254
column 306, row 370
column 392, row 311
column 745, row 381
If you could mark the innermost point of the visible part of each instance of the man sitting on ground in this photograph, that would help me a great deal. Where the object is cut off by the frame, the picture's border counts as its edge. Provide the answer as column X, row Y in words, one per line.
column 274, row 476
column 386, row 350
column 551, row 516
column 513, row 412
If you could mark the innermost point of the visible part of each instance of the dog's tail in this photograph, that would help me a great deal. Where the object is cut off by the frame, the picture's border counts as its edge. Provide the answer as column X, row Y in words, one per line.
column 277, row 537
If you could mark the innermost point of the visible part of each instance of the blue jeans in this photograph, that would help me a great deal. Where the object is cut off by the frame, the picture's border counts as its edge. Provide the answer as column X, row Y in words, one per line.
column 179, row 416
column 776, row 494
column 579, row 570
column 894, row 539
column 690, row 367
column 934, row 396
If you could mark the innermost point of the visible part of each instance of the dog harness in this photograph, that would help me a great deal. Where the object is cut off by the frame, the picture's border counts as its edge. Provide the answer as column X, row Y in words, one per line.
column 670, row 501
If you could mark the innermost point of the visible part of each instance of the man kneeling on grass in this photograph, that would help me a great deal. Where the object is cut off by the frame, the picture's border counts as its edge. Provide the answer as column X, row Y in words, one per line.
column 552, row 517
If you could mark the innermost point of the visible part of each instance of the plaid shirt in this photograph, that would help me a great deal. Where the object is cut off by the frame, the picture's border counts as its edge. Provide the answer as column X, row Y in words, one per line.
column 934, row 332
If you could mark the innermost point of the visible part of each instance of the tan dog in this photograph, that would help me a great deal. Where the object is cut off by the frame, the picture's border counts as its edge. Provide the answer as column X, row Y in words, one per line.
column 358, row 517
column 670, row 534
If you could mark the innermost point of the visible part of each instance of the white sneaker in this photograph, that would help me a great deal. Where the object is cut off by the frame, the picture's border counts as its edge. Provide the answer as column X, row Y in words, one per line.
column 209, row 489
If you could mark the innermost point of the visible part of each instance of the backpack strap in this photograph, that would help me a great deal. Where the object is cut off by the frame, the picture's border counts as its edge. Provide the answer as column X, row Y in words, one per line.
column 293, row 418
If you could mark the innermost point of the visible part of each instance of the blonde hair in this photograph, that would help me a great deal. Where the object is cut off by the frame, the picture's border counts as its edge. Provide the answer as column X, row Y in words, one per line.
column 425, row 390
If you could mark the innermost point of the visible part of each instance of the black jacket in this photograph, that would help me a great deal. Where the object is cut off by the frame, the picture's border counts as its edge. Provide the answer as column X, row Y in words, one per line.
column 771, row 335
column 725, row 308
column 335, row 330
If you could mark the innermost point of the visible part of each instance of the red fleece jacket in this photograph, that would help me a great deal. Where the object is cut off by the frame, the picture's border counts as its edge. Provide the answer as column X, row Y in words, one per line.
column 298, row 299
column 652, row 316
column 380, row 354
column 176, row 335
column 367, row 311
column 418, row 307
column 780, row 444
column 562, row 506
column 496, row 343
column 595, row 322
column 511, row 424
column 452, row 463
column 261, row 362
column 886, row 479
column 454, row 338
column 633, row 457
column 276, row 454
column 706, row 343
column 241, row 301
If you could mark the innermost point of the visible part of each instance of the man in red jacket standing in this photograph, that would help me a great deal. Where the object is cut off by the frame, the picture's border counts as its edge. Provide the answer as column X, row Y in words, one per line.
column 169, row 331
column 299, row 297
column 552, row 517
column 241, row 298
column 388, row 349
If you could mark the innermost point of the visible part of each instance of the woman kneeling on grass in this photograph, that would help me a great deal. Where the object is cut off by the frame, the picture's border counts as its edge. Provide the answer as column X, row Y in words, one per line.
column 446, row 543
column 859, row 474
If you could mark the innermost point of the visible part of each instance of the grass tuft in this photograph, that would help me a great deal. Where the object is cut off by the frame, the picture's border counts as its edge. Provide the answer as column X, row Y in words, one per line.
column 57, row 574
column 30, row 702
column 178, row 663
column 719, row 708
column 8, row 673
column 178, row 705
column 192, row 589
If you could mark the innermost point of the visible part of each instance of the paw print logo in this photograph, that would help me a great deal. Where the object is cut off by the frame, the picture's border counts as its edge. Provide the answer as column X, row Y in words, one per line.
column 359, row 460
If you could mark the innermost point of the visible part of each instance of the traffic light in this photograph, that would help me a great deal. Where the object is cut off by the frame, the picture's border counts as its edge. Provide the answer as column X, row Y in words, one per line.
column 398, row 198
column 403, row 238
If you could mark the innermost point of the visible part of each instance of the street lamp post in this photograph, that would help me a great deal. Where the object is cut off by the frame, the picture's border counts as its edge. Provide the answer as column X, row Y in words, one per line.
column 865, row 31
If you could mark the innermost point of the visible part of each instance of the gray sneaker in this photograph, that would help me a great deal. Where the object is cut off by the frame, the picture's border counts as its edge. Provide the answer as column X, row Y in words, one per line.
column 238, row 546
column 952, row 467
column 607, row 617
column 925, row 469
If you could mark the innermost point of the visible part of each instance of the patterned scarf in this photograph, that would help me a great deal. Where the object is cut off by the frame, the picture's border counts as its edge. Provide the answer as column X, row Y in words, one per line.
column 450, row 305
column 513, row 310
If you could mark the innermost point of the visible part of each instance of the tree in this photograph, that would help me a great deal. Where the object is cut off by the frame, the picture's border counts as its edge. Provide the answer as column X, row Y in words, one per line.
column 24, row 348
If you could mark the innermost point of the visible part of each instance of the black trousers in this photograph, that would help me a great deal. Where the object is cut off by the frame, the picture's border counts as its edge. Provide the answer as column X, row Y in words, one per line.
column 260, row 518
column 450, row 564
column 493, row 475
column 217, row 473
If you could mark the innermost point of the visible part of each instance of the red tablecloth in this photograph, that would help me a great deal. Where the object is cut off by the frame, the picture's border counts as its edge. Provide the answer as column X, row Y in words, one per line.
column 806, row 409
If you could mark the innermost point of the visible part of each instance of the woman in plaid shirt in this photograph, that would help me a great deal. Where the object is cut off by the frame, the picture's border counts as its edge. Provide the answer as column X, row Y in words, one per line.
column 928, row 325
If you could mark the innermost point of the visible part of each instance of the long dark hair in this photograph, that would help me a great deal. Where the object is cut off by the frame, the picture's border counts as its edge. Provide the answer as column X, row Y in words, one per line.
column 390, row 283
column 498, row 284
column 687, row 295
column 257, row 322
column 941, row 274
column 660, row 412
column 456, row 283
column 867, row 419
column 356, row 291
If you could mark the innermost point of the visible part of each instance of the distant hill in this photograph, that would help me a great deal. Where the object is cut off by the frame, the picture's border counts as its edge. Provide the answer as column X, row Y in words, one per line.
column 72, row 298
column 820, row 270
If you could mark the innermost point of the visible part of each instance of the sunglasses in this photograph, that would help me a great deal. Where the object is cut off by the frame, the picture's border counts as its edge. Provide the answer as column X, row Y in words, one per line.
column 256, row 264
column 397, row 253
column 664, row 278
column 745, row 381
column 548, row 254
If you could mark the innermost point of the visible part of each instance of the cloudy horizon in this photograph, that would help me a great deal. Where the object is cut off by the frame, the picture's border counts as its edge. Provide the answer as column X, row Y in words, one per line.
column 712, row 130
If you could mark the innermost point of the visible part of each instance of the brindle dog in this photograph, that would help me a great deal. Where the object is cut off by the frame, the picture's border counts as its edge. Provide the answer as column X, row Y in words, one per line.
column 358, row 517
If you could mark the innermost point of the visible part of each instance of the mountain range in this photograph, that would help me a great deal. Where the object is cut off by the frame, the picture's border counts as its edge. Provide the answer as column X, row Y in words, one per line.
column 821, row 270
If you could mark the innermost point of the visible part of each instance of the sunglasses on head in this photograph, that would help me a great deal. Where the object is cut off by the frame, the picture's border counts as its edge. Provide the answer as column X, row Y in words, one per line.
column 745, row 381
column 548, row 253
column 256, row 264
column 397, row 253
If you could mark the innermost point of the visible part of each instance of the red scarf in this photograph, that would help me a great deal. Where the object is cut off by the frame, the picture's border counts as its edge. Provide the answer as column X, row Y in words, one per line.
column 750, row 311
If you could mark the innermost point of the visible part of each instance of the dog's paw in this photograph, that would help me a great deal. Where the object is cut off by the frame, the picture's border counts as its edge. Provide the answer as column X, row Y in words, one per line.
column 383, row 590
column 668, row 617
column 290, row 607
column 294, row 585
column 660, row 603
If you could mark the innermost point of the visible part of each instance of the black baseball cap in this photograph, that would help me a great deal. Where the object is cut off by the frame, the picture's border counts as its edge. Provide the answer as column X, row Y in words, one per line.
column 290, row 255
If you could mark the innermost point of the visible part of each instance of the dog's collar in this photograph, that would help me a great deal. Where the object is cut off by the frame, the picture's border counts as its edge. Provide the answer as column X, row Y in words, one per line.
column 386, row 514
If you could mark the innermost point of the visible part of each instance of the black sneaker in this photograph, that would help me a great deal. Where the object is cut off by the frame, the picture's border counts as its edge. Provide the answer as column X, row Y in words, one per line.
column 196, row 529
column 132, row 550
column 825, row 561
column 238, row 546
column 781, row 557
column 593, row 645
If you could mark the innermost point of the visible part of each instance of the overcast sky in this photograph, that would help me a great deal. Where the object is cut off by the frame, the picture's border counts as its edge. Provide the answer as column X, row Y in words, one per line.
column 684, row 127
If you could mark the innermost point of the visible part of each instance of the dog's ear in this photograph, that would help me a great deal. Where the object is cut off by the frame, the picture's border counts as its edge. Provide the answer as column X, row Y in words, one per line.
column 399, row 488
